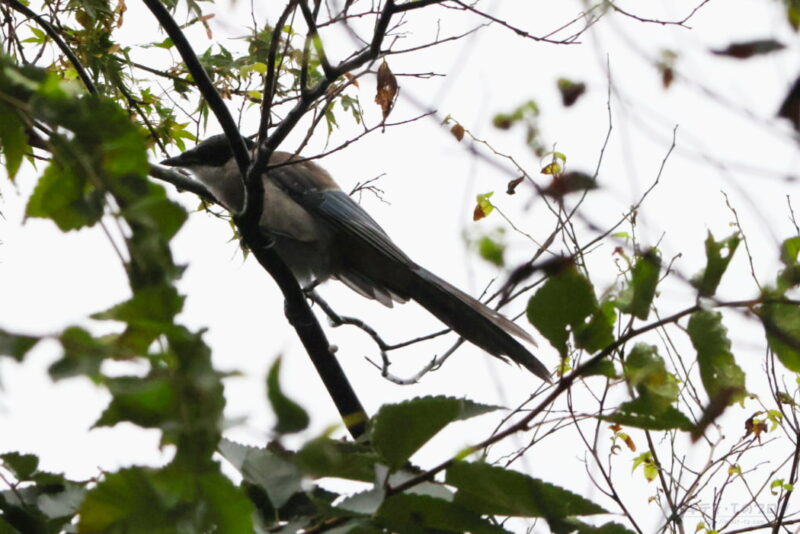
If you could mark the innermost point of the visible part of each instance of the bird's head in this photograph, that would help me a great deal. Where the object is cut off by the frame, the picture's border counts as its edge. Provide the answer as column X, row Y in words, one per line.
column 212, row 152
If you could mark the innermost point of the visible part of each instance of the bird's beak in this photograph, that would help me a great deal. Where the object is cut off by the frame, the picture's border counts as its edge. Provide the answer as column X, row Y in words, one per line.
column 172, row 162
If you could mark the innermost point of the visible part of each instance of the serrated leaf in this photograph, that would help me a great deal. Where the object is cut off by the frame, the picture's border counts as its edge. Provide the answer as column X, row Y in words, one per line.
column 277, row 476
column 325, row 457
column 416, row 513
column 707, row 280
column 139, row 500
column 63, row 195
column 718, row 369
column 565, row 300
column 363, row 503
column 638, row 296
column 399, row 430
column 291, row 417
column 493, row 490
column 15, row 345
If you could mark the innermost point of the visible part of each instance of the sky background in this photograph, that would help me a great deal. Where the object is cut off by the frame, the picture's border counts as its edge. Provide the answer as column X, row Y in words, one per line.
column 727, row 142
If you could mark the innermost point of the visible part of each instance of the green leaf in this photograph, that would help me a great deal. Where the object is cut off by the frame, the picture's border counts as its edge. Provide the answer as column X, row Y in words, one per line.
column 325, row 457
column 718, row 370
column 413, row 514
column 601, row 368
column 491, row 250
column 647, row 374
column 277, row 476
column 363, row 503
column 13, row 140
column 83, row 354
column 782, row 326
column 793, row 14
column 648, row 463
column 639, row 413
column 156, row 212
column 718, row 256
column 638, row 296
column 15, row 345
column 790, row 276
column 154, row 307
column 23, row 466
column 291, row 416
column 399, row 430
column 488, row 489
column 566, row 299
column 575, row 526
column 171, row 500
column 483, row 206
column 45, row 503
column 598, row 332
column 64, row 195
column 148, row 402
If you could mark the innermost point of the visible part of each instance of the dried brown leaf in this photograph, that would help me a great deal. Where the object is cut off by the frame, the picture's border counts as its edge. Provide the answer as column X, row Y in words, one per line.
column 387, row 89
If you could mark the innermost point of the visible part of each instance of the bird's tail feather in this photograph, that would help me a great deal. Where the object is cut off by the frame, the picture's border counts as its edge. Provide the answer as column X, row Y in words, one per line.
column 474, row 321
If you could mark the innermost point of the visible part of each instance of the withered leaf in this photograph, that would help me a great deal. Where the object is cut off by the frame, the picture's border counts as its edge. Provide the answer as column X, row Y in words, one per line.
column 350, row 78
column 458, row 131
column 569, row 182
column 387, row 89
column 747, row 49
column 570, row 91
column 512, row 185
column 478, row 213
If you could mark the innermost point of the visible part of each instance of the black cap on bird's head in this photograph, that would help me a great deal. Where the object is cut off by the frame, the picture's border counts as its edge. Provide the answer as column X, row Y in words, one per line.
column 212, row 152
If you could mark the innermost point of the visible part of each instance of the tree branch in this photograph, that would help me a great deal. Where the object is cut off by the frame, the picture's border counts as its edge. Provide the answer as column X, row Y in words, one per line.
column 297, row 310
column 51, row 32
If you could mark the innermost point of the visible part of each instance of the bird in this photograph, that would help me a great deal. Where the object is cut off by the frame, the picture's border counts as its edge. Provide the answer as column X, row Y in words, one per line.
column 321, row 233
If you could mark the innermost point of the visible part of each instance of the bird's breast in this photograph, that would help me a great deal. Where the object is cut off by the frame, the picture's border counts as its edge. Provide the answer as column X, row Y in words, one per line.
column 301, row 239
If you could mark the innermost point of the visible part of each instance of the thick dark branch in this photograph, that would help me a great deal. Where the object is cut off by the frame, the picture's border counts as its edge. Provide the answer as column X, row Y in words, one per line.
column 408, row 6
column 54, row 35
column 307, row 99
column 270, row 82
column 203, row 82
column 313, row 34
column 261, row 246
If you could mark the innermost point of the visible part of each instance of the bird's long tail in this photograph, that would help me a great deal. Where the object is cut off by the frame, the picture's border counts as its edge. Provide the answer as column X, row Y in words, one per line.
column 474, row 321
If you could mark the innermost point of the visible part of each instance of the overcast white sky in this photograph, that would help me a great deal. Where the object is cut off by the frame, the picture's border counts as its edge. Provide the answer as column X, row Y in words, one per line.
column 727, row 140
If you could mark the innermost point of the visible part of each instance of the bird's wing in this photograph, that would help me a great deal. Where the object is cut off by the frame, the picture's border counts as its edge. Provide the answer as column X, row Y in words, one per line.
column 312, row 188
column 342, row 211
